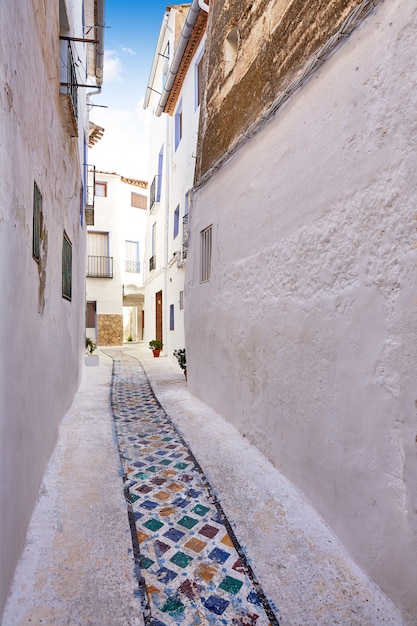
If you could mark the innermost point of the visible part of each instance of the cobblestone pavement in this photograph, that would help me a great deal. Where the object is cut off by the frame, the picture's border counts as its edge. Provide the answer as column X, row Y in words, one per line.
column 189, row 564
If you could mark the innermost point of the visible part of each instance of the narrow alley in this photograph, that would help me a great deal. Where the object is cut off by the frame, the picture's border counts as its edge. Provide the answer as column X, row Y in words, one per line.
column 155, row 511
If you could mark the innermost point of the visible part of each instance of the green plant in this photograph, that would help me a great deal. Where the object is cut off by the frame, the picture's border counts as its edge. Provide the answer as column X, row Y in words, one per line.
column 90, row 345
column 181, row 358
column 130, row 338
column 155, row 344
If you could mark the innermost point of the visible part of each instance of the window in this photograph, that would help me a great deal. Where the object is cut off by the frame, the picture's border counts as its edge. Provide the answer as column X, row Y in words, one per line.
column 199, row 80
column 37, row 223
column 178, row 125
column 171, row 317
column 176, row 220
column 99, row 263
column 132, row 263
column 230, row 52
column 66, row 267
column 138, row 200
column 181, row 300
column 205, row 258
column 101, row 189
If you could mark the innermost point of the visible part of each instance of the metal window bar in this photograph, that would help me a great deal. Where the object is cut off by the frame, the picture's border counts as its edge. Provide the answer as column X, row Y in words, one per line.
column 155, row 191
column 152, row 263
column 37, row 223
column 72, row 80
column 99, row 266
column 205, row 260
column 66, row 268
column 185, row 235
column 91, row 183
column 132, row 266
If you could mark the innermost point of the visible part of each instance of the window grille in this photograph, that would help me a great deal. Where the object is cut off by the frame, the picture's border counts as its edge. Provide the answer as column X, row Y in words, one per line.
column 205, row 259
column 66, row 267
column 37, row 223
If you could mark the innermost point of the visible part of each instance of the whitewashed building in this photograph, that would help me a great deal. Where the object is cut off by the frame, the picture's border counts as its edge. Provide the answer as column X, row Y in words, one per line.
column 47, row 70
column 115, row 249
column 173, row 95
column 301, row 283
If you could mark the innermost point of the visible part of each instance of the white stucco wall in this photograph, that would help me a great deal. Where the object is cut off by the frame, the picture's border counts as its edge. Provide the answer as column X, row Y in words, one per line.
column 41, row 333
column 115, row 215
column 305, row 336
column 177, row 180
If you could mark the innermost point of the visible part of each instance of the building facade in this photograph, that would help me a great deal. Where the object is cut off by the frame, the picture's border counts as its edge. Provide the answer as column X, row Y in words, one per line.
column 173, row 96
column 47, row 70
column 115, row 249
column 301, row 270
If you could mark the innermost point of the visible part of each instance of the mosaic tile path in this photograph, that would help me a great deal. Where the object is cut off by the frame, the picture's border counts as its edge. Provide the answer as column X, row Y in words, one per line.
column 190, row 567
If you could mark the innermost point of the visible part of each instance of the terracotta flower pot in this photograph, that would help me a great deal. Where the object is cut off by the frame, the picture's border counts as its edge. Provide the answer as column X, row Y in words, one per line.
column 156, row 352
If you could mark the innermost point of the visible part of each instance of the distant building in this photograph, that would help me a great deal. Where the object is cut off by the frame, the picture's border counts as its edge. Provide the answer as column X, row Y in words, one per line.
column 301, row 282
column 115, row 249
column 173, row 95
column 47, row 71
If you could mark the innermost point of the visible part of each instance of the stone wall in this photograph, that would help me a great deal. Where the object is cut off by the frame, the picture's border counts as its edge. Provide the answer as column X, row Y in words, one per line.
column 275, row 39
column 110, row 330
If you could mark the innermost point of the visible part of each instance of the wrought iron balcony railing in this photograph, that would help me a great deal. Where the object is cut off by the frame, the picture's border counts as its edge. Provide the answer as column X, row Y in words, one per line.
column 132, row 266
column 155, row 191
column 99, row 267
column 69, row 84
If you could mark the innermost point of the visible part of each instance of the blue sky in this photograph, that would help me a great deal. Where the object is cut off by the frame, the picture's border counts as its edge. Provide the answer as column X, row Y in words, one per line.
column 129, row 40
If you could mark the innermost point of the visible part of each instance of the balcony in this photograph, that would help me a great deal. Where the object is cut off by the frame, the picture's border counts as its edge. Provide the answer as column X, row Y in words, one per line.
column 99, row 267
column 89, row 201
column 155, row 191
column 68, row 90
column 152, row 263
column 132, row 266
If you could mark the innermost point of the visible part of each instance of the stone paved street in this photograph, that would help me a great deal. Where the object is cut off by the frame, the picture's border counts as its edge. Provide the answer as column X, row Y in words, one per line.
column 155, row 511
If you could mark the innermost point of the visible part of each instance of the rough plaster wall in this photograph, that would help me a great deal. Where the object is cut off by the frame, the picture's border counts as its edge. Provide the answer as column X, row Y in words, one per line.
column 40, row 332
column 305, row 337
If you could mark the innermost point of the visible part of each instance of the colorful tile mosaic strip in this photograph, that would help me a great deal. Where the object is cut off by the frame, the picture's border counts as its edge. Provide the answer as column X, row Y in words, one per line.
column 190, row 567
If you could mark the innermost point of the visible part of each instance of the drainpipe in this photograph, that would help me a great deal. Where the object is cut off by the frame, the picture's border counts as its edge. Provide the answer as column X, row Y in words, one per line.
column 179, row 52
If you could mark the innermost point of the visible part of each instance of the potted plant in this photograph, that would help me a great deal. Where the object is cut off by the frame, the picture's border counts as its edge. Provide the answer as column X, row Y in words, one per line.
column 181, row 357
column 156, row 346
column 90, row 346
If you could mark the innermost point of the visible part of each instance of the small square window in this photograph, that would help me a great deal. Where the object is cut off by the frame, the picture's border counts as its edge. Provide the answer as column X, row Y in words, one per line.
column 101, row 189
column 66, row 267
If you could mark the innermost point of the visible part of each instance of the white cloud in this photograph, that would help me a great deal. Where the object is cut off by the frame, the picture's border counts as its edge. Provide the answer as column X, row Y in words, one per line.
column 128, row 50
column 113, row 68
